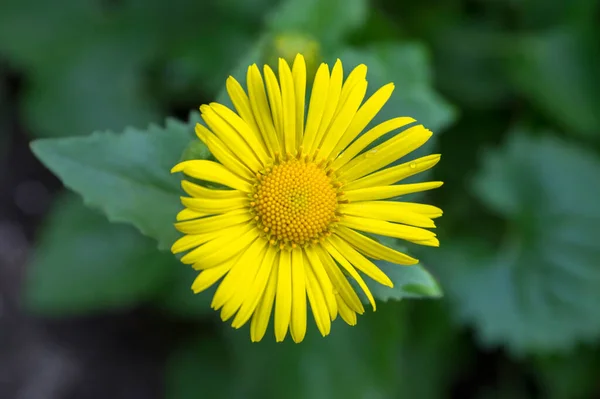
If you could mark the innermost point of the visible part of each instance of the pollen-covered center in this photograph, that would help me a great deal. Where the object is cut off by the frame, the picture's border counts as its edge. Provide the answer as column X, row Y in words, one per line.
column 295, row 202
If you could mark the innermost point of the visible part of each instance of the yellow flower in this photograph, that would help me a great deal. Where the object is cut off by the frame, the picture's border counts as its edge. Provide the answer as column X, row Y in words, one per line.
column 280, row 223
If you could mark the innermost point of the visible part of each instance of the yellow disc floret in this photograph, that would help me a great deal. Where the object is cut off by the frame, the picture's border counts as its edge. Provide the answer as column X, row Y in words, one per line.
column 295, row 202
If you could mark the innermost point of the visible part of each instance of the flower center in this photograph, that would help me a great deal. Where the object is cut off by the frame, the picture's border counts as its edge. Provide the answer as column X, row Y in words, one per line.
column 295, row 202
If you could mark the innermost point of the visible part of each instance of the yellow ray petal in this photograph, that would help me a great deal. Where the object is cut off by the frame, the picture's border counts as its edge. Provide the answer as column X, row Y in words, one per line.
column 214, row 206
column 251, row 260
column 391, row 211
column 288, row 99
column 317, row 303
column 340, row 282
column 333, row 97
column 298, row 322
column 191, row 241
column 357, row 75
column 258, row 288
column 316, row 107
column 208, row 277
column 241, row 102
column 260, row 318
column 395, row 174
column 408, row 233
column 261, row 110
column 318, row 270
column 198, row 191
column 385, row 153
column 385, row 192
column 365, row 115
column 212, row 223
column 348, row 315
column 360, row 262
column 221, row 248
column 275, row 101
column 363, row 141
column 213, row 172
column 243, row 130
column 283, row 304
column 423, row 209
column 299, row 74
column 351, row 271
column 222, row 153
column 187, row 214
column 343, row 119
column 374, row 249
column 232, row 280
column 224, row 131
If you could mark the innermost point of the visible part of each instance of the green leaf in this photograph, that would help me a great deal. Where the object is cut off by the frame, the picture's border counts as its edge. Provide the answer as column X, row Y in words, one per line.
column 126, row 175
column 409, row 282
column 329, row 22
column 557, row 72
column 83, row 263
column 539, row 291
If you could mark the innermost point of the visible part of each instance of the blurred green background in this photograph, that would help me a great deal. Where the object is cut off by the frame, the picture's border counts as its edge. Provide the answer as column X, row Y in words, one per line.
column 510, row 87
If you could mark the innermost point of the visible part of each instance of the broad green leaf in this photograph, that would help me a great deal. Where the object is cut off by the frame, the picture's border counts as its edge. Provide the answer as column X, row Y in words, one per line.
column 127, row 176
column 83, row 263
column 329, row 22
column 557, row 71
column 539, row 290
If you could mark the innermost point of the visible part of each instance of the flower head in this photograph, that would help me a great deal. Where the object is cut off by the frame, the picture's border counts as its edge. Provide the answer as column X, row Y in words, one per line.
column 282, row 216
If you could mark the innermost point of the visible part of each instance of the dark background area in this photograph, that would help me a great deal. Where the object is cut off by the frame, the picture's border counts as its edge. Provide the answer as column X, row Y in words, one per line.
column 519, row 95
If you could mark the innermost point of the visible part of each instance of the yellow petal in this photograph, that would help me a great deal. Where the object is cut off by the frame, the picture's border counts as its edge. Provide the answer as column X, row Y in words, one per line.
column 221, row 248
column 213, row 206
column 333, row 97
column 408, row 233
column 299, row 74
column 212, row 223
column 363, row 141
column 261, row 110
column 198, row 191
column 391, row 211
column 224, row 131
column 316, row 107
column 251, row 261
column 385, row 153
column 340, row 282
column 191, row 241
column 384, row 192
column 348, row 315
column 358, row 74
column 360, row 262
column 343, row 119
column 258, row 288
column 364, row 116
column 213, row 172
column 288, row 99
column 283, row 305
column 298, row 323
column 208, row 277
column 374, row 249
column 243, row 130
column 318, row 270
column 395, row 174
column 222, row 153
column 260, row 319
column 241, row 102
column 187, row 214
column 275, row 101
column 317, row 303
column 351, row 271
